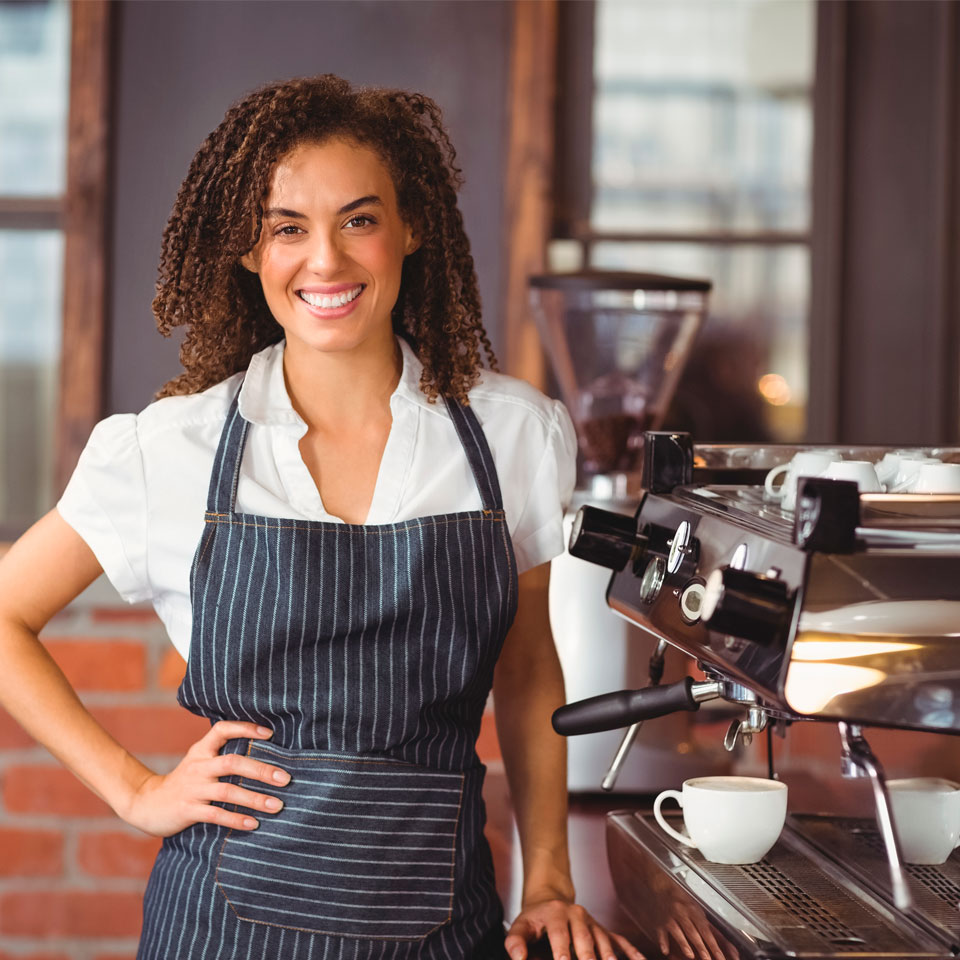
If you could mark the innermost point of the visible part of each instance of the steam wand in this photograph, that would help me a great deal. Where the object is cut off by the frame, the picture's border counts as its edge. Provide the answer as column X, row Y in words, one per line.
column 655, row 672
column 858, row 760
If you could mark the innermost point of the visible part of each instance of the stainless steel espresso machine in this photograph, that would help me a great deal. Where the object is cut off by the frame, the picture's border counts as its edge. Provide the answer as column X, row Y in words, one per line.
column 845, row 611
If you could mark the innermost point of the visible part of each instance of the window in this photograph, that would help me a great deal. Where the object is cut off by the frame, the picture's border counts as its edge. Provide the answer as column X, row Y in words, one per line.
column 700, row 164
column 34, row 85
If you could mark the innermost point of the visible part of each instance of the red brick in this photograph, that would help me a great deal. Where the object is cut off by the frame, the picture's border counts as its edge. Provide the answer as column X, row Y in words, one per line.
column 172, row 669
column 78, row 913
column 151, row 729
column 33, row 956
column 31, row 853
column 123, row 615
column 47, row 789
column 97, row 664
column 12, row 735
column 116, row 854
column 488, row 745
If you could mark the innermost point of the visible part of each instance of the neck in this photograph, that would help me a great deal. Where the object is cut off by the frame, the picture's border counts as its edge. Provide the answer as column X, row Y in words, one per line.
column 340, row 391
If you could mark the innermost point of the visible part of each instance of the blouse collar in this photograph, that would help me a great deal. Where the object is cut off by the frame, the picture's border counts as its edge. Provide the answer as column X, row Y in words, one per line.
column 264, row 400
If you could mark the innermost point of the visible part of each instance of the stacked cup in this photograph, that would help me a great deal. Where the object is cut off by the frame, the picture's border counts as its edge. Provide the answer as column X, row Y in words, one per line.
column 903, row 471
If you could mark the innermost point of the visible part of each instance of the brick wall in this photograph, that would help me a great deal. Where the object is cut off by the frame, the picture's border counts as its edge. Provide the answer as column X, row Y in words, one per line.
column 71, row 873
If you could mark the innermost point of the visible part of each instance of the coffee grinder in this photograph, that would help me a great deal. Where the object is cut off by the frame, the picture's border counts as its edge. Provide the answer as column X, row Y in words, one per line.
column 617, row 344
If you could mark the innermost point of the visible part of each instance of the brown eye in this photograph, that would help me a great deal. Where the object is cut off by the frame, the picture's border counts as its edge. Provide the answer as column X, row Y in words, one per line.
column 361, row 220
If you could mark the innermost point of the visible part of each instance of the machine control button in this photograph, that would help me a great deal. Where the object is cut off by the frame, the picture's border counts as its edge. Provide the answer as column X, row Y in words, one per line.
column 691, row 601
column 739, row 559
column 603, row 537
column 745, row 605
column 652, row 579
column 681, row 545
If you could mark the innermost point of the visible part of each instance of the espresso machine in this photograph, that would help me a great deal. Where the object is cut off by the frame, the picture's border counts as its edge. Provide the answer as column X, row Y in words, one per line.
column 843, row 611
column 617, row 344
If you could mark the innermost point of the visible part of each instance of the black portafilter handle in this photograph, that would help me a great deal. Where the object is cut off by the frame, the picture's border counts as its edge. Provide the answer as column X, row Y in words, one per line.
column 610, row 711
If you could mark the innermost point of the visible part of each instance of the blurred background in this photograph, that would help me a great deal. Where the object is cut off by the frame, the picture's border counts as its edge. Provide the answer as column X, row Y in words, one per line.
column 804, row 156
column 800, row 155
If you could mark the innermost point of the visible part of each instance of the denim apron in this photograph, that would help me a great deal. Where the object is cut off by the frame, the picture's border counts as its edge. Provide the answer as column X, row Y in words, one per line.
column 369, row 651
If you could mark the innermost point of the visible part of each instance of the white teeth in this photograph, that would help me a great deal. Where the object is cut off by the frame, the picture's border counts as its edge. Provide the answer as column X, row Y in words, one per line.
column 337, row 300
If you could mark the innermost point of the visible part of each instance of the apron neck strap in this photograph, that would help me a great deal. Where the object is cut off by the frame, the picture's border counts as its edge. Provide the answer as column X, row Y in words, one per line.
column 478, row 452
column 222, row 493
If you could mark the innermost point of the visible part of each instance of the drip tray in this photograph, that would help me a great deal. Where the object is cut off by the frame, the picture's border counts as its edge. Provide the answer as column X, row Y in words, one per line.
column 858, row 845
column 795, row 903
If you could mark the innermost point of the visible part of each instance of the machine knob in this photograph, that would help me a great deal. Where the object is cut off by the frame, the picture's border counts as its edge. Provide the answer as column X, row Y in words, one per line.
column 604, row 537
column 746, row 605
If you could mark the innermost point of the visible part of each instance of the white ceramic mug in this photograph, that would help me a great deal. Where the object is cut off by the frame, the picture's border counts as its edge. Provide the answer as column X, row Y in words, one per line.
column 908, row 468
column 937, row 478
column 729, row 819
column 806, row 463
column 863, row 472
column 926, row 811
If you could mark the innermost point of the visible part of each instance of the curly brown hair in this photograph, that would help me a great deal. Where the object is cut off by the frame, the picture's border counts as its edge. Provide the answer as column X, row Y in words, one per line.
column 218, row 217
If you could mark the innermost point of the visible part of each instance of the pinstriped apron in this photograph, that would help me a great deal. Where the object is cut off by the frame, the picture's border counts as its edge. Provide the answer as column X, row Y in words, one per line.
column 369, row 651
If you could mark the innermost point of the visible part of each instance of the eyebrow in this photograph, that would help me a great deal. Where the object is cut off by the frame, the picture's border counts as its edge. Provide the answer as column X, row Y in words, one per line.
column 371, row 199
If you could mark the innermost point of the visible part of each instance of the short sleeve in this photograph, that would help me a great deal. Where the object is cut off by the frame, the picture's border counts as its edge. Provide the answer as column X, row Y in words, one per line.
column 106, row 503
column 538, row 535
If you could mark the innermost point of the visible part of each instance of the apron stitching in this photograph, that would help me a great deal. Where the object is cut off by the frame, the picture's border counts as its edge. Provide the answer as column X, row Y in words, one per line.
column 222, row 518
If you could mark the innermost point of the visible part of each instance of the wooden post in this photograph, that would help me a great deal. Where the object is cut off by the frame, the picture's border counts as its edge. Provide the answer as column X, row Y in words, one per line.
column 85, row 225
column 529, row 191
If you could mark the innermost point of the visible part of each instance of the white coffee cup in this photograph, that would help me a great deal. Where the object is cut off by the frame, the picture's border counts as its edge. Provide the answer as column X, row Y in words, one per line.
column 729, row 819
column 907, row 471
column 806, row 463
column 936, row 478
column 926, row 811
column 862, row 472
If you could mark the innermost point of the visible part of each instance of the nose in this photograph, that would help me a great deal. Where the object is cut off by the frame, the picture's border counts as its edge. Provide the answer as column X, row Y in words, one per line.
column 325, row 255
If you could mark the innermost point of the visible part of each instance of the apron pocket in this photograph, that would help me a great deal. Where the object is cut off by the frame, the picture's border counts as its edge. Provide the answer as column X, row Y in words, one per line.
column 361, row 848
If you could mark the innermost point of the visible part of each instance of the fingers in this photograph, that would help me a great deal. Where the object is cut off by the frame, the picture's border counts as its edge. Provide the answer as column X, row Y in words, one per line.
column 208, row 813
column 627, row 947
column 674, row 929
column 238, row 765
column 559, row 937
column 693, row 935
column 223, row 730
column 582, row 939
column 569, row 928
column 241, row 797
column 518, row 936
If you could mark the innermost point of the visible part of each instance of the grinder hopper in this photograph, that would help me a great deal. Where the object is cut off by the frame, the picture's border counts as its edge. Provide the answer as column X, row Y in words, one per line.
column 617, row 343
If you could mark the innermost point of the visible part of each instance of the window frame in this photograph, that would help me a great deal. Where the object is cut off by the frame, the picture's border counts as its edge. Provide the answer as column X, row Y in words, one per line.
column 80, row 213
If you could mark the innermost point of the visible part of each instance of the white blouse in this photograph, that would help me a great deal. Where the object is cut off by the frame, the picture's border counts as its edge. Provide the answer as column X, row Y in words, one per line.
column 139, row 492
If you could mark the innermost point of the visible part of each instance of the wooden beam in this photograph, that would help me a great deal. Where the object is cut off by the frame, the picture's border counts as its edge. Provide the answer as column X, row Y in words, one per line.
column 529, row 189
column 828, row 201
column 85, row 222
column 31, row 213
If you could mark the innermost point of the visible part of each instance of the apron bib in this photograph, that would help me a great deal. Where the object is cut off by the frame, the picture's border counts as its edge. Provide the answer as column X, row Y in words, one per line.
column 369, row 651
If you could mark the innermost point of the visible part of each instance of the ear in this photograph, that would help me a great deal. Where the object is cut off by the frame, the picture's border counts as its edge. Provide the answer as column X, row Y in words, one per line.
column 412, row 243
column 251, row 261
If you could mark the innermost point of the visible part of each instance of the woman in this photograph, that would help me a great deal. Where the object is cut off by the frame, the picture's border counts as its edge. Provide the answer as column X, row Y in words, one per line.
column 348, row 584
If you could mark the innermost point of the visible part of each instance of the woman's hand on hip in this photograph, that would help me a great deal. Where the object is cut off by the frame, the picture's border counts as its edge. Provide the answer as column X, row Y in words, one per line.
column 566, row 925
column 165, row 804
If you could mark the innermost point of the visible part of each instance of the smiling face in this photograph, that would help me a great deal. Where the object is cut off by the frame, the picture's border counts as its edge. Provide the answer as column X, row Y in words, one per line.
column 332, row 247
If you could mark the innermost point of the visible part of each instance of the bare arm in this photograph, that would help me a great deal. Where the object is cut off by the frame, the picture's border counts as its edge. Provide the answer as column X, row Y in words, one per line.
column 527, row 688
column 43, row 571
